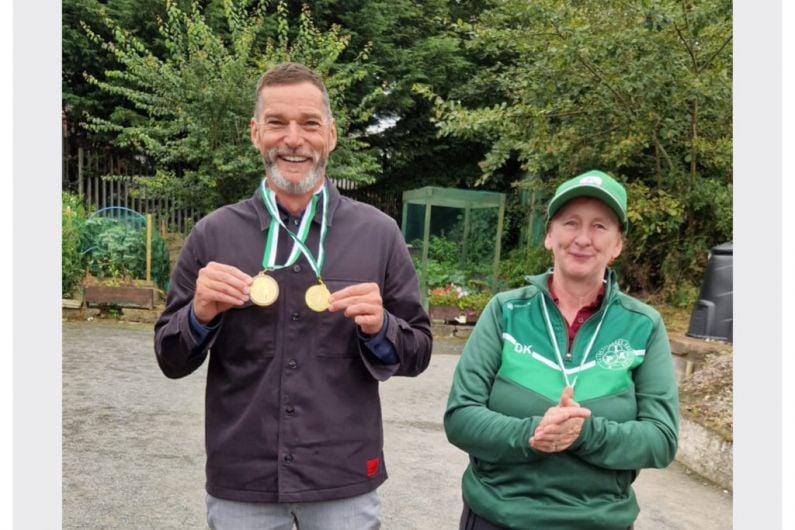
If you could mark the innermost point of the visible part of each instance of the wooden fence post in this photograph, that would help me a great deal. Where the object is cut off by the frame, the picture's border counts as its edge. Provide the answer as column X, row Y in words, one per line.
column 80, row 172
column 149, row 247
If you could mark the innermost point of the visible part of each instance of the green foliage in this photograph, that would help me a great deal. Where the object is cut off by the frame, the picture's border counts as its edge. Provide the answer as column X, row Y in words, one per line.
column 443, row 250
column 479, row 92
column 682, row 295
column 443, row 262
column 463, row 299
column 643, row 89
column 106, row 248
column 655, row 222
column 476, row 248
column 447, row 282
column 116, row 252
column 410, row 42
column 115, row 249
column 73, row 218
column 446, row 264
column 79, row 56
column 522, row 262
column 188, row 111
column 442, row 274
column 640, row 90
column 406, row 42
column 670, row 237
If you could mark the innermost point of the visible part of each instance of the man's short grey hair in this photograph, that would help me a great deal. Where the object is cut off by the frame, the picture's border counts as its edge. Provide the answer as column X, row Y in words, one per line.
column 289, row 74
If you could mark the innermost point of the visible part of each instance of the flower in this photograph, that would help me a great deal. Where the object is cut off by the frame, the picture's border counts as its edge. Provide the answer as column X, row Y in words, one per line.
column 460, row 297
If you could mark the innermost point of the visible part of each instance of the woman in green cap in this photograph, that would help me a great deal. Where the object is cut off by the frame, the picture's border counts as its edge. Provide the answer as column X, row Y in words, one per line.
column 566, row 387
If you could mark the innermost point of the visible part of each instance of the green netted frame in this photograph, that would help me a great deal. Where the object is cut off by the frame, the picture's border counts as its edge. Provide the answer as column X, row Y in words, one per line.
column 467, row 200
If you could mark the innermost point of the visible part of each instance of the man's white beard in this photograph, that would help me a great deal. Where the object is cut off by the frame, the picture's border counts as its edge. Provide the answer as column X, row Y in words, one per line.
column 293, row 188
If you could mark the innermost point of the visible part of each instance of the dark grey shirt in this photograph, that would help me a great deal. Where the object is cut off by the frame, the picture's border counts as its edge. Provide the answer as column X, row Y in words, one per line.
column 292, row 406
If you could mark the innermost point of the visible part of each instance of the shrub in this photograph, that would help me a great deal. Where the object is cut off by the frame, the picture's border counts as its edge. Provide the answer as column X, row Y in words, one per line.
column 521, row 262
column 670, row 237
column 188, row 110
column 460, row 297
column 115, row 249
column 73, row 219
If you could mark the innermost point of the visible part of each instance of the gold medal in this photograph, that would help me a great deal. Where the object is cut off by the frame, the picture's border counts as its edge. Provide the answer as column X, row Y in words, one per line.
column 264, row 290
column 317, row 297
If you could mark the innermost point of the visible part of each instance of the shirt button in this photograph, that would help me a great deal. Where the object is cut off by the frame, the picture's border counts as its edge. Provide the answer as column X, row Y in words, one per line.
column 295, row 316
column 292, row 364
column 580, row 320
column 296, row 268
column 288, row 458
column 290, row 410
column 295, row 222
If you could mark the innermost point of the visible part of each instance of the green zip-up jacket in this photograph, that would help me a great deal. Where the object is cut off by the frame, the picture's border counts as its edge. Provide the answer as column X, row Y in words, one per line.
column 507, row 378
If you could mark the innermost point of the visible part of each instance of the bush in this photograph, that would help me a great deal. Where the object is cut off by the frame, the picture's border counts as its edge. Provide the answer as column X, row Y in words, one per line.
column 116, row 249
column 445, row 268
column 188, row 110
column 73, row 219
column 670, row 237
column 447, row 282
column 522, row 262
column 462, row 298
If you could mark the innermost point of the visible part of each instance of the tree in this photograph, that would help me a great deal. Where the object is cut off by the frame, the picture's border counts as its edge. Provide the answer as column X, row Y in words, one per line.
column 188, row 110
column 81, row 57
column 406, row 43
column 409, row 42
column 641, row 90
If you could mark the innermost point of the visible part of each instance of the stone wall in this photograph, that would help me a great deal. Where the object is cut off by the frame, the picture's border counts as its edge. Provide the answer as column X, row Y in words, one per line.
column 705, row 452
column 704, row 369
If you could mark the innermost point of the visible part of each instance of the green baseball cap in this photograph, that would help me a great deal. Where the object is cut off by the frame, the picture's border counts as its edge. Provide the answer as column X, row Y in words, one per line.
column 596, row 184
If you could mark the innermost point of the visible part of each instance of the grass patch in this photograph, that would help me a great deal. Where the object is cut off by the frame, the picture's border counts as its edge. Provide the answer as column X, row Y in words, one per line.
column 677, row 319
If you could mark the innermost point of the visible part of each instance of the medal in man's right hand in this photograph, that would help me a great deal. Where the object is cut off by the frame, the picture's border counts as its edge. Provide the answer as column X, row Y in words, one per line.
column 264, row 290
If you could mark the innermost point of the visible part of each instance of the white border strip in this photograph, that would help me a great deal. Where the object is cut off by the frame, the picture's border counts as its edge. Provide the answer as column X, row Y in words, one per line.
column 6, row 211
column 36, row 258
column 788, row 263
column 758, row 237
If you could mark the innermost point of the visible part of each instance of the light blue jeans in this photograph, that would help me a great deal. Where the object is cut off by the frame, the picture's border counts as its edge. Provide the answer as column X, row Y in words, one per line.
column 354, row 513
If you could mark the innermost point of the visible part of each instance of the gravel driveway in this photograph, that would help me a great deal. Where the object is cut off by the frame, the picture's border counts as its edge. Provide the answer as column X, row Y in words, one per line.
column 133, row 453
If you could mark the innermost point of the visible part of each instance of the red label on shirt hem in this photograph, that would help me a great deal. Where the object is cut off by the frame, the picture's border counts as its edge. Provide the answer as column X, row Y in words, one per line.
column 372, row 467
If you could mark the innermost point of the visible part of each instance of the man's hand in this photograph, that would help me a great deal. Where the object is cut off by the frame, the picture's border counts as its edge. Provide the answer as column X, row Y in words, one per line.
column 363, row 303
column 561, row 425
column 218, row 288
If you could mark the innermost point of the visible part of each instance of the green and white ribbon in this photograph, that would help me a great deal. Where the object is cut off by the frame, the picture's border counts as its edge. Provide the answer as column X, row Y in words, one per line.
column 299, row 238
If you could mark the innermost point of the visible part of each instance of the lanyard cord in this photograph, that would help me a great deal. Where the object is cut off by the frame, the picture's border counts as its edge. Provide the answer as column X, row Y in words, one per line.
column 268, row 260
column 557, row 349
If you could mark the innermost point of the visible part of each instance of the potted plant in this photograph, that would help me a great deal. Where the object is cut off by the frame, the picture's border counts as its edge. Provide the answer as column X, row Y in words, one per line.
column 453, row 303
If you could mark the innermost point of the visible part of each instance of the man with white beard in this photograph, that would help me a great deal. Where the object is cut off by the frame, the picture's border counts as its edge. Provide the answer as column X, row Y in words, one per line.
column 304, row 301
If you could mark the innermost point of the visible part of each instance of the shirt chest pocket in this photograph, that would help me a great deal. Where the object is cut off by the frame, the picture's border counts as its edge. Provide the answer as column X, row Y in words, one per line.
column 249, row 333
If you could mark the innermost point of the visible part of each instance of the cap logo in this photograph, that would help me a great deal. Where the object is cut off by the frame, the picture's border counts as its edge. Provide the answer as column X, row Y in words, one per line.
column 591, row 180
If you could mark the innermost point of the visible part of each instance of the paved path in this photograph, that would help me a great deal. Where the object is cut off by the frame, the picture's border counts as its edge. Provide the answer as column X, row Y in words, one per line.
column 133, row 453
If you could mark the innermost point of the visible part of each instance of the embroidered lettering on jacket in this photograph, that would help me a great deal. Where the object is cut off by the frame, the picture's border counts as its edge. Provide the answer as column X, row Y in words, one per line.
column 526, row 349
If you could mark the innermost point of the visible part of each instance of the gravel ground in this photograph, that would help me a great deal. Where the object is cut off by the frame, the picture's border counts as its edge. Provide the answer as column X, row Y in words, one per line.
column 706, row 396
column 133, row 454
